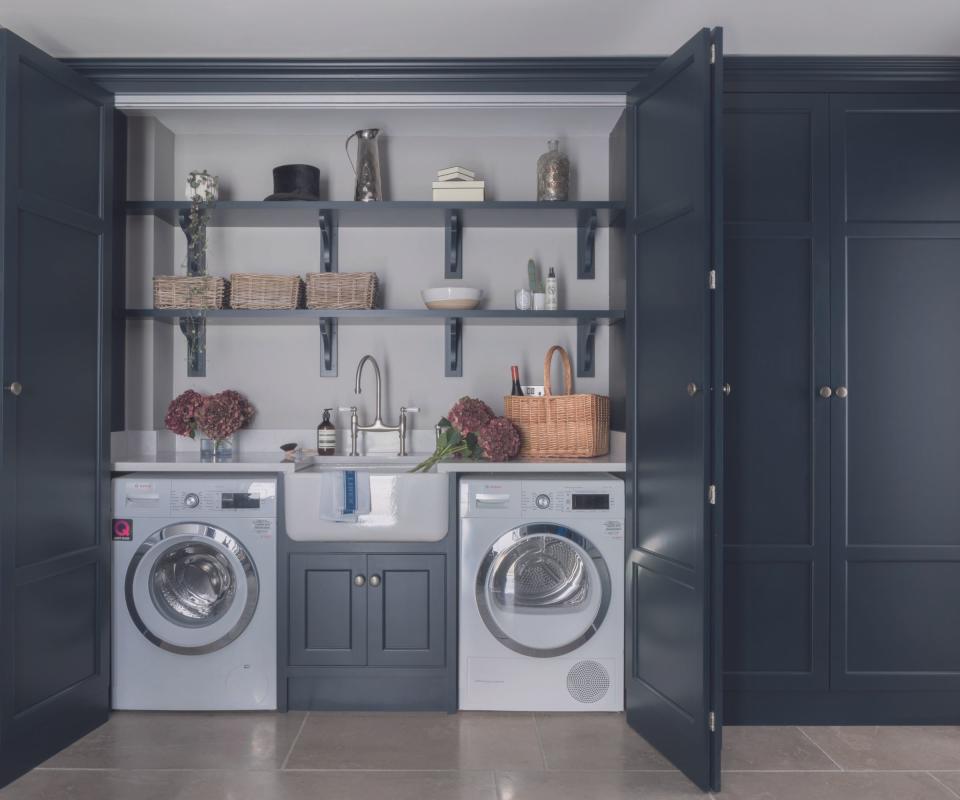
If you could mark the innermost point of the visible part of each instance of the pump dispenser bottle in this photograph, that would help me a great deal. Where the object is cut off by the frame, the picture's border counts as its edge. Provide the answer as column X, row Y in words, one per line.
column 326, row 435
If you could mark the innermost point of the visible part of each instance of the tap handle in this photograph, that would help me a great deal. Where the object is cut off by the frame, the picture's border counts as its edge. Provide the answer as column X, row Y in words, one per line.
column 348, row 409
column 405, row 409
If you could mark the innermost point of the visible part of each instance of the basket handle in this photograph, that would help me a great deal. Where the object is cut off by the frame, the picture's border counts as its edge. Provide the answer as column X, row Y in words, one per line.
column 567, row 370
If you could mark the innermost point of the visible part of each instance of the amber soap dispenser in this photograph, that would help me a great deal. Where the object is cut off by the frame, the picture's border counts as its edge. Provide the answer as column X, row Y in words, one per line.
column 326, row 435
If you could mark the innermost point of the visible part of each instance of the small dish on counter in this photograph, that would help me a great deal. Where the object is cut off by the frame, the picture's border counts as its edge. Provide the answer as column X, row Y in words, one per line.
column 450, row 298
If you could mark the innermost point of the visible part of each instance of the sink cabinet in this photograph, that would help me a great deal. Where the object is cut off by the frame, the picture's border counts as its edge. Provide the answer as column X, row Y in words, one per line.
column 378, row 609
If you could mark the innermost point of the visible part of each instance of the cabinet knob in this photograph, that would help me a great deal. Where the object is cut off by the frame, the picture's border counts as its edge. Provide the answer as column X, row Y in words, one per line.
column 359, row 580
column 825, row 392
column 692, row 388
column 727, row 388
column 841, row 392
column 15, row 388
column 374, row 580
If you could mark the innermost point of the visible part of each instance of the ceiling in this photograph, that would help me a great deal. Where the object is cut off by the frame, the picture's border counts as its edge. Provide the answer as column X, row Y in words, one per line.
column 479, row 28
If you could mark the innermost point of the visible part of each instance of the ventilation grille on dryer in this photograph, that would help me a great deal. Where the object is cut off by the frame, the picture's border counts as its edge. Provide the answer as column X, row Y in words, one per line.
column 588, row 682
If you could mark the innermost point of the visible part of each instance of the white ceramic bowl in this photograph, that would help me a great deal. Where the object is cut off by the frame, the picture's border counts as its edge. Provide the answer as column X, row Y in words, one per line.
column 450, row 298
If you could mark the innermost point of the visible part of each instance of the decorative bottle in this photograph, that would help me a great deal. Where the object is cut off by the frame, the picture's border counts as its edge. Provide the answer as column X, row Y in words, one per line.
column 326, row 436
column 553, row 291
column 553, row 173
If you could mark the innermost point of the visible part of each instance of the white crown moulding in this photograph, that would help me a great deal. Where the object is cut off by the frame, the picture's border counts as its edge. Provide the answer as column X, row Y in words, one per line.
column 360, row 101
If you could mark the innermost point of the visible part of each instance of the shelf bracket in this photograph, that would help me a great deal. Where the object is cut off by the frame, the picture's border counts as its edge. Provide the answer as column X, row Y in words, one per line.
column 586, row 340
column 196, row 262
column 453, row 243
column 195, row 331
column 453, row 347
column 586, row 235
column 328, row 241
column 328, row 347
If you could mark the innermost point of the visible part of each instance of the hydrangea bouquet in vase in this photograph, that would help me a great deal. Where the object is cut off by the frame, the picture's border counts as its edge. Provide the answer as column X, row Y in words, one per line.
column 216, row 417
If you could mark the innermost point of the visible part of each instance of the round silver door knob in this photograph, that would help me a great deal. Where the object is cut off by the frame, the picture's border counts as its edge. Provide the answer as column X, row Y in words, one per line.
column 359, row 580
column 692, row 388
column 841, row 392
column 825, row 392
column 374, row 580
column 15, row 388
column 727, row 389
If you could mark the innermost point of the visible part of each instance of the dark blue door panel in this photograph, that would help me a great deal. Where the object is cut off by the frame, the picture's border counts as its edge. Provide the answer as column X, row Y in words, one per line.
column 896, row 291
column 672, row 231
column 55, row 221
column 776, row 465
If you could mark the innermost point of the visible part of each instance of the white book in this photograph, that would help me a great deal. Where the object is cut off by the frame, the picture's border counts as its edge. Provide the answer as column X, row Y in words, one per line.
column 448, row 195
column 454, row 172
column 458, row 184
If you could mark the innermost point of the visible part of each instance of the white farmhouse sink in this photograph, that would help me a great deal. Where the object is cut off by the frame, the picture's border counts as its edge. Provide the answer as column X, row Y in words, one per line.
column 405, row 507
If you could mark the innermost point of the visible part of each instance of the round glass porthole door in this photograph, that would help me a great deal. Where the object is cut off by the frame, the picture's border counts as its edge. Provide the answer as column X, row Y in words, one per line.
column 543, row 590
column 191, row 588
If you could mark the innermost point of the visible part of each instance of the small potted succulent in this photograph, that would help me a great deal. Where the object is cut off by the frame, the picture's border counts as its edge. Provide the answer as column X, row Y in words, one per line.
column 216, row 417
column 472, row 430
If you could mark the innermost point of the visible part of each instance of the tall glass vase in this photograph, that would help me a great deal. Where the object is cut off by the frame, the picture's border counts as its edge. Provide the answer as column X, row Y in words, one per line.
column 216, row 450
column 553, row 174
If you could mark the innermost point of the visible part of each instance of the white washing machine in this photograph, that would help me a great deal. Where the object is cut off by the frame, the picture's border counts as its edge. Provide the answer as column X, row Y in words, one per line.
column 194, row 592
column 541, row 593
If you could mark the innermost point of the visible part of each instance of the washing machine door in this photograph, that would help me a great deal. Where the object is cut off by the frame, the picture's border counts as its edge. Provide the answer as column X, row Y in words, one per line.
column 543, row 590
column 192, row 588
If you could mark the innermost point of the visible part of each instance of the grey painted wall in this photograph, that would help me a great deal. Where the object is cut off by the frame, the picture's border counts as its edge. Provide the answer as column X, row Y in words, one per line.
column 278, row 366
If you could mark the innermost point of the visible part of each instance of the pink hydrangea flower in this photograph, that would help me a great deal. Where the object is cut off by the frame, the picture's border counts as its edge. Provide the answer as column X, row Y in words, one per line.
column 469, row 415
column 223, row 414
column 181, row 417
column 499, row 439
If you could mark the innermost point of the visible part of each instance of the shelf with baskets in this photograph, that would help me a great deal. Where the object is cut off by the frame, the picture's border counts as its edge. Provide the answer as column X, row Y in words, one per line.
column 329, row 215
column 193, row 324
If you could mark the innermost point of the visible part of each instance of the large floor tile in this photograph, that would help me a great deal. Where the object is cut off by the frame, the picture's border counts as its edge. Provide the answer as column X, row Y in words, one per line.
column 890, row 747
column 748, row 747
column 831, row 786
column 595, row 741
column 611, row 785
column 134, row 740
column 423, row 741
column 265, row 785
column 950, row 779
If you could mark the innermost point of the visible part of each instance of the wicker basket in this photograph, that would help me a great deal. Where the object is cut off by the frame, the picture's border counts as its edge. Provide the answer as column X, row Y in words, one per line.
column 561, row 426
column 341, row 289
column 250, row 290
column 171, row 291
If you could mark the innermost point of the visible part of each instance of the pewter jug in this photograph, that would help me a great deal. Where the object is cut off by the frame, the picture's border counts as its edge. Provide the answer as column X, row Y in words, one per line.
column 367, row 168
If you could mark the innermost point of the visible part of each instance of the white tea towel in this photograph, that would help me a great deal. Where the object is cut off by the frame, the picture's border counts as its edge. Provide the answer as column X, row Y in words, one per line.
column 344, row 495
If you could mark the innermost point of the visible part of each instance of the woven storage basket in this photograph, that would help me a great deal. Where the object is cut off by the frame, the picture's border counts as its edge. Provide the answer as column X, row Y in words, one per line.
column 177, row 291
column 561, row 426
column 341, row 289
column 250, row 290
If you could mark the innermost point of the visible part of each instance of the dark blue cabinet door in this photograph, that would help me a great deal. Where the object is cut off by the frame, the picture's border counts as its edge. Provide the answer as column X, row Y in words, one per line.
column 896, row 462
column 673, row 548
column 328, row 610
column 406, row 610
column 777, row 434
column 55, row 236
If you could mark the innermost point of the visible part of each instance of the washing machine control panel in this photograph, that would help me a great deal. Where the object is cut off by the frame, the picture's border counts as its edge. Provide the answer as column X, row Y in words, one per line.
column 156, row 496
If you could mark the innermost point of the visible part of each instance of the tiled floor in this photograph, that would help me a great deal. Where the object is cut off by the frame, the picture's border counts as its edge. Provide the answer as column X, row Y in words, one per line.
column 473, row 756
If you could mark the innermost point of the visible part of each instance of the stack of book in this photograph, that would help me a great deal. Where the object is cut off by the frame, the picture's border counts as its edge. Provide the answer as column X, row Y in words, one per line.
column 457, row 184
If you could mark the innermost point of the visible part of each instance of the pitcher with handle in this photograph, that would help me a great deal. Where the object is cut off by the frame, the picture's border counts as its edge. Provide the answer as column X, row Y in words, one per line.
column 367, row 168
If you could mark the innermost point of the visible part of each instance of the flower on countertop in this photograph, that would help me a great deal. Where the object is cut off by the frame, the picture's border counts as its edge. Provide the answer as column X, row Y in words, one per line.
column 499, row 439
column 469, row 415
column 472, row 430
column 181, row 417
column 223, row 414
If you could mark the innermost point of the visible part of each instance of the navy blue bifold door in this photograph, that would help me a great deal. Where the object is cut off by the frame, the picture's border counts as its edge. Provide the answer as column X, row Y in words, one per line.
column 673, row 546
column 55, row 218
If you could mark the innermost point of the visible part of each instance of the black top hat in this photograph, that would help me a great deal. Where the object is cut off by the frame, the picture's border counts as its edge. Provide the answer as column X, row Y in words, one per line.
column 295, row 182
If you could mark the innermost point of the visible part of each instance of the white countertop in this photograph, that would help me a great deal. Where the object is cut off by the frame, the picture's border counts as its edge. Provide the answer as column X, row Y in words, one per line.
column 185, row 461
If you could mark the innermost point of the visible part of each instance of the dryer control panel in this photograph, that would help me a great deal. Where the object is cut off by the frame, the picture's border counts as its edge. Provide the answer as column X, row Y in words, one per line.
column 542, row 496
column 557, row 497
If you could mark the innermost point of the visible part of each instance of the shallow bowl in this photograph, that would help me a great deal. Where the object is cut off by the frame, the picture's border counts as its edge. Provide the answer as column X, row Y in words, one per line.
column 450, row 298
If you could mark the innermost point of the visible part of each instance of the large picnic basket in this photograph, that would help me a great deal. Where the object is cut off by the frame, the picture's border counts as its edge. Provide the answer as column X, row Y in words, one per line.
column 561, row 426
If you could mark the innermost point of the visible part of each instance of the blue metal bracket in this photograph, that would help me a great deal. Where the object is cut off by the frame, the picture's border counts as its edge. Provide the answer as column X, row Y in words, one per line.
column 453, row 245
column 586, row 341
column 196, row 264
column 586, row 235
column 328, row 347
column 328, row 241
column 453, row 347
column 195, row 331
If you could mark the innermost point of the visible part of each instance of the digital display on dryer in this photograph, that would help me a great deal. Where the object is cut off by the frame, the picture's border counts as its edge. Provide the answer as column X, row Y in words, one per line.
column 591, row 502
column 235, row 500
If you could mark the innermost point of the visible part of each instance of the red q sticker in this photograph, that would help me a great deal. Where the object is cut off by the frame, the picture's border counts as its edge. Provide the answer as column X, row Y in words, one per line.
column 122, row 530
